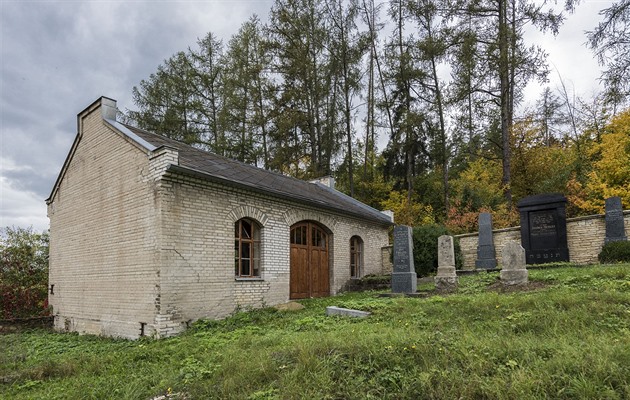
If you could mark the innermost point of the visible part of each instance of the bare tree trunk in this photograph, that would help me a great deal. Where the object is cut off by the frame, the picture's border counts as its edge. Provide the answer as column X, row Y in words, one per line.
column 504, row 78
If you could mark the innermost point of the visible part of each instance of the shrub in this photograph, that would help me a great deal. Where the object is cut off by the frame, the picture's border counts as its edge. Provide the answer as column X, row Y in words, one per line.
column 425, row 242
column 615, row 252
column 23, row 273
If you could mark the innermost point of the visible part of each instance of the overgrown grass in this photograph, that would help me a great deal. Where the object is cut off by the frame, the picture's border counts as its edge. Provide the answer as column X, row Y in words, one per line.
column 567, row 339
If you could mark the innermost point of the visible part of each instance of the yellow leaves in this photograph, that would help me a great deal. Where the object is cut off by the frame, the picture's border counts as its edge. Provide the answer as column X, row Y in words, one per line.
column 611, row 169
column 408, row 213
column 610, row 173
column 577, row 197
column 480, row 183
column 478, row 189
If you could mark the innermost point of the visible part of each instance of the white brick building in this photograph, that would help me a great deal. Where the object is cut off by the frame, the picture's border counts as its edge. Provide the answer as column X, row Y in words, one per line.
column 148, row 234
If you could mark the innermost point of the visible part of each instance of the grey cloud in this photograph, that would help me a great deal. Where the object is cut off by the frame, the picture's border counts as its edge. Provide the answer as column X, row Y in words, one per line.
column 57, row 57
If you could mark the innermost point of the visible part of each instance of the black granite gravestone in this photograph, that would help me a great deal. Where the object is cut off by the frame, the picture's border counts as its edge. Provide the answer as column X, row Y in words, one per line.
column 486, row 256
column 615, row 229
column 404, row 278
column 544, row 228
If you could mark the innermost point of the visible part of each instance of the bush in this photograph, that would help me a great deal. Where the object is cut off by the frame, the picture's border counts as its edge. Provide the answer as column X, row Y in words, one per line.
column 23, row 273
column 615, row 252
column 425, row 242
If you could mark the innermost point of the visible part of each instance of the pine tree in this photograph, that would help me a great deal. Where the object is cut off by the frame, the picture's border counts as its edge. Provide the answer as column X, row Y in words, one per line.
column 299, row 41
column 502, row 54
column 347, row 46
column 208, row 80
column 610, row 41
column 245, row 92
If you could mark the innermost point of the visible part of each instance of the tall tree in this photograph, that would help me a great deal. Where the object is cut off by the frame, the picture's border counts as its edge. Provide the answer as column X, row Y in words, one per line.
column 167, row 101
column 376, row 84
column 181, row 100
column 298, row 41
column 245, row 94
column 611, row 43
column 434, row 41
column 347, row 46
column 208, row 81
column 509, row 63
column 549, row 115
column 406, row 151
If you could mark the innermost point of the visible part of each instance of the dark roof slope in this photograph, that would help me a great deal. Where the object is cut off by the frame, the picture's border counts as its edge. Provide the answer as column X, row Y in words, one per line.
column 214, row 167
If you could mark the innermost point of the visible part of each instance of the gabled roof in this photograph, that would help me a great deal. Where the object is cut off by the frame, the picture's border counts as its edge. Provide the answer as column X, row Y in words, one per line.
column 210, row 166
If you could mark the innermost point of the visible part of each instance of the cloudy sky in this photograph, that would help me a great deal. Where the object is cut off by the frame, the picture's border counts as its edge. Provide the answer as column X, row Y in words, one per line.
column 57, row 57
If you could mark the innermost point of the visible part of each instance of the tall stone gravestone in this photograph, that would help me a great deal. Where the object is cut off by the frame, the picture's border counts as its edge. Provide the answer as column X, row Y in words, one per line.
column 404, row 278
column 544, row 228
column 513, row 271
column 486, row 255
column 446, row 278
column 615, row 229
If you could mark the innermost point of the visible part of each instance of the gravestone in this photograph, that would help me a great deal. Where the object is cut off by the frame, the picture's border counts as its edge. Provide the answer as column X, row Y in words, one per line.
column 486, row 255
column 446, row 278
column 544, row 228
column 404, row 278
column 513, row 271
column 615, row 229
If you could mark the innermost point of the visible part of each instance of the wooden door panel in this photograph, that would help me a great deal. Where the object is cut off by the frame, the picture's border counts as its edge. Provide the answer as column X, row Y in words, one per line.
column 324, row 274
column 309, row 269
column 299, row 273
column 319, row 272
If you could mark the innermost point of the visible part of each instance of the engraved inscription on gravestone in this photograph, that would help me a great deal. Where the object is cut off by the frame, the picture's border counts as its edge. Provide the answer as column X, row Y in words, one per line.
column 446, row 278
column 544, row 228
column 615, row 228
column 486, row 255
column 402, row 249
column 404, row 278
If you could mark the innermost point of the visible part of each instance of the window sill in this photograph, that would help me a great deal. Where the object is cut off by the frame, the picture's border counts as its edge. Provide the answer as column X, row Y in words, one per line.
column 256, row 279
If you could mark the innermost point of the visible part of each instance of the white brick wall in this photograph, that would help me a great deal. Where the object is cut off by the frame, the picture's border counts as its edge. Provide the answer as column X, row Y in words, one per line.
column 198, row 245
column 131, row 246
column 103, row 262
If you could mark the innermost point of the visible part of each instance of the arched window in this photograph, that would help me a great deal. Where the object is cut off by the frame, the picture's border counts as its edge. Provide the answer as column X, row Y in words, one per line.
column 246, row 249
column 356, row 257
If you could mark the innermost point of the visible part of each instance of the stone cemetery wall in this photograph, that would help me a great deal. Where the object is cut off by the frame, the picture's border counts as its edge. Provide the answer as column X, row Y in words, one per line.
column 585, row 237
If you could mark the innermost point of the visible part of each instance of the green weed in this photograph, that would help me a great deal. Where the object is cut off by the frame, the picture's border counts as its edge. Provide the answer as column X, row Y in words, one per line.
column 569, row 340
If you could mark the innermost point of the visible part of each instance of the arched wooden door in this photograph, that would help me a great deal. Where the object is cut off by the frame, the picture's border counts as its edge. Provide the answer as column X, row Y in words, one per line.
column 309, row 261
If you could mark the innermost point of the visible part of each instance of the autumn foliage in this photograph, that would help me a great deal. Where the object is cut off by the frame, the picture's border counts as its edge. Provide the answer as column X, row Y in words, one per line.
column 588, row 169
